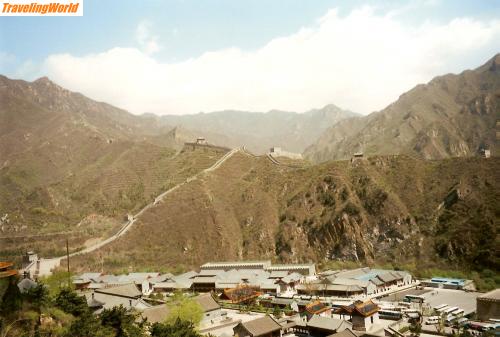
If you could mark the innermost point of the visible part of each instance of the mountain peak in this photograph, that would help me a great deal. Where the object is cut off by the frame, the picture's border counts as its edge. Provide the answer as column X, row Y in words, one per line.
column 492, row 64
column 495, row 62
column 43, row 80
column 452, row 119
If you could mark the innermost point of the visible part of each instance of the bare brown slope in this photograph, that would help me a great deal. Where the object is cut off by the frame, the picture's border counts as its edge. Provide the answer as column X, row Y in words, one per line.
column 386, row 209
column 451, row 116
column 64, row 157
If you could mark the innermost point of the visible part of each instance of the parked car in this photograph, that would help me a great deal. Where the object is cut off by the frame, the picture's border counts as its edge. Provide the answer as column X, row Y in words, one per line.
column 462, row 323
column 432, row 320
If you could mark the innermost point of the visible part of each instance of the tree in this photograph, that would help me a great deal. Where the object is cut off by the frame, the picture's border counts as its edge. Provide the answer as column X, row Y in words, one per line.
column 440, row 325
column 416, row 329
column 178, row 328
column 324, row 284
column 11, row 301
column 185, row 309
column 277, row 312
column 88, row 325
column 37, row 296
column 122, row 321
column 70, row 302
column 57, row 281
column 461, row 332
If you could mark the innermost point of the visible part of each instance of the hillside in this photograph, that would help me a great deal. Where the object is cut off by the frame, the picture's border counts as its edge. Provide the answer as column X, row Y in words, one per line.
column 261, row 131
column 451, row 116
column 65, row 158
column 386, row 209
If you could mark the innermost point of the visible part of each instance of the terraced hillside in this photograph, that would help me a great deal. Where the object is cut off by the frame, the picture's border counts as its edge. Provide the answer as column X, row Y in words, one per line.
column 386, row 209
column 65, row 158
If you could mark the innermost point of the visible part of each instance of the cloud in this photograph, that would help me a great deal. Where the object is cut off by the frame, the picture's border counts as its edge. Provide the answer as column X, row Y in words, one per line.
column 147, row 41
column 6, row 59
column 362, row 61
column 26, row 69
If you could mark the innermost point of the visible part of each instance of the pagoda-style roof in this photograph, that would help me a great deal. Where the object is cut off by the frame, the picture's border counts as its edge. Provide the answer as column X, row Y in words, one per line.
column 5, row 269
column 5, row 265
column 241, row 294
column 317, row 307
column 365, row 309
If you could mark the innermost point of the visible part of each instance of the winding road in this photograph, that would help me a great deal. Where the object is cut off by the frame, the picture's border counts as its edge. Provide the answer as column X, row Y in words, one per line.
column 44, row 266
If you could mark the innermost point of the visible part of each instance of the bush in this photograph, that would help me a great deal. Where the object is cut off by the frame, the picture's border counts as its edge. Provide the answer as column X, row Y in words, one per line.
column 68, row 301
column 122, row 321
column 327, row 199
column 37, row 296
column 373, row 202
column 344, row 194
column 178, row 328
column 351, row 209
column 88, row 325
column 404, row 329
column 184, row 309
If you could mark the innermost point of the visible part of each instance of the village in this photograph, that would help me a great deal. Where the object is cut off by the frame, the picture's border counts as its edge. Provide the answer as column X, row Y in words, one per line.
column 262, row 299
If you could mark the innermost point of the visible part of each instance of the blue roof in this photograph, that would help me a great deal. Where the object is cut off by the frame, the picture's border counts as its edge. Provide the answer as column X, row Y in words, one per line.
column 371, row 274
column 454, row 281
column 367, row 276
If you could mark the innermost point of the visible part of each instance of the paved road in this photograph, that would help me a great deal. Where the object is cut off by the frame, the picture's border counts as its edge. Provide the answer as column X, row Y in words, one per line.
column 45, row 266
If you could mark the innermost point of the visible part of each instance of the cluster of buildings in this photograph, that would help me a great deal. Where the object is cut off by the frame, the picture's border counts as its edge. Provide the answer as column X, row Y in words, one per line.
column 283, row 280
column 212, row 277
column 361, row 281
column 347, row 321
column 296, row 289
column 340, row 303
column 216, row 283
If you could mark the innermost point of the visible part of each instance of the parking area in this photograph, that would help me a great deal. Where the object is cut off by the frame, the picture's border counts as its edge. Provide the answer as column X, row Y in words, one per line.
column 400, row 295
column 454, row 298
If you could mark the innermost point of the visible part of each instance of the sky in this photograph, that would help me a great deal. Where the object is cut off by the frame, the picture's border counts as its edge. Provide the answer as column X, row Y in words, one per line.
column 190, row 56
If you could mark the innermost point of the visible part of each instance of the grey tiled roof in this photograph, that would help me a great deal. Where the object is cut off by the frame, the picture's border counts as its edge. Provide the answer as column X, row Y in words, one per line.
column 26, row 284
column 126, row 290
column 155, row 314
column 261, row 326
column 207, row 302
column 328, row 323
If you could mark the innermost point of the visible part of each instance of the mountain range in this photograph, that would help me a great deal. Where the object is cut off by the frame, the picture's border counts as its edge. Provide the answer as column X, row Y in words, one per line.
column 451, row 116
column 260, row 131
column 71, row 167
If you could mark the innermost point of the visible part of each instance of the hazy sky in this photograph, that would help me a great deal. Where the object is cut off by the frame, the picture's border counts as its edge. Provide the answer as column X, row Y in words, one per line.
column 182, row 56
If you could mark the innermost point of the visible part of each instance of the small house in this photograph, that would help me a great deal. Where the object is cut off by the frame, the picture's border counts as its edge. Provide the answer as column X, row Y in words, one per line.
column 201, row 141
column 318, row 308
column 357, row 157
column 211, row 309
column 261, row 327
column 362, row 314
column 488, row 305
column 325, row 326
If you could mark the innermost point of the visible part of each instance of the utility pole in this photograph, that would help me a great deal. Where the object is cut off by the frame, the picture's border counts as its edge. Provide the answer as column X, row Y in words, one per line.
column 67, row 260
